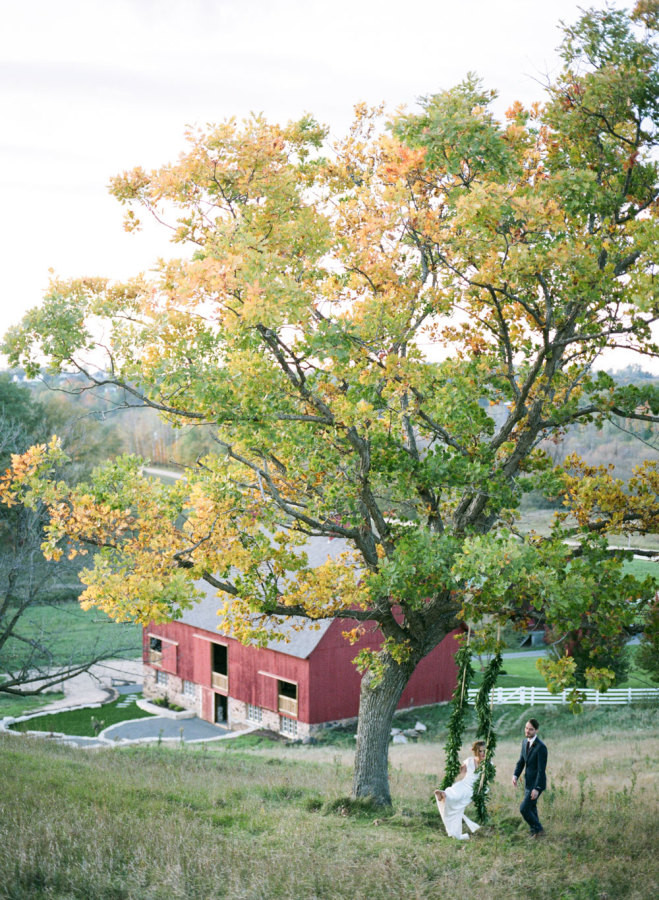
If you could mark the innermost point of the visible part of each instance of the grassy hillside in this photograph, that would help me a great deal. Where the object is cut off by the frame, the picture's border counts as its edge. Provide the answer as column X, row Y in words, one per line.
column 273, row 822
column 73, row 634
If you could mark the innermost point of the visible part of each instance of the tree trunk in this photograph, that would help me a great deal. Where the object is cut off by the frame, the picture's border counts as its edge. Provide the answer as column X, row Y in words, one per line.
column 378, row 701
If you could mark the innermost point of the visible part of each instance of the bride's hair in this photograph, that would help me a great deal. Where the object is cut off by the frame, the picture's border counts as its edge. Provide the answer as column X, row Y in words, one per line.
column 475, row 747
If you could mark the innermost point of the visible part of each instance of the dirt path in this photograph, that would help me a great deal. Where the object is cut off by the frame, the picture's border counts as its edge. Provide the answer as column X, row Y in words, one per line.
column 96, row 685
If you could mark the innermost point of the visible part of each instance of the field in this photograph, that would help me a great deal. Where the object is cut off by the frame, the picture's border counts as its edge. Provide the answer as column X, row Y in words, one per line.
column 273, row 821
column 72, row 635
column 522, row 671
column 643, row 567
column 540, row 520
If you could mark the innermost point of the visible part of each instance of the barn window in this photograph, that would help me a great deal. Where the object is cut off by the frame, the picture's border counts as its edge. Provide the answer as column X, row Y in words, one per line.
column 287, row 698
column 162, row 679
column 288, row 726
column 189, row 689
column 155, row 651
column 254, row 713
column 220, row 667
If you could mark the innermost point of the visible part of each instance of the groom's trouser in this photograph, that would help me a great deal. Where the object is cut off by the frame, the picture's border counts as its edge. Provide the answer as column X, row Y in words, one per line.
column 529, row 811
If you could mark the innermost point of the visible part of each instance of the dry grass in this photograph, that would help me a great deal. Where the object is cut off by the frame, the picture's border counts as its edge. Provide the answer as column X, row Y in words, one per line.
column 157, row 824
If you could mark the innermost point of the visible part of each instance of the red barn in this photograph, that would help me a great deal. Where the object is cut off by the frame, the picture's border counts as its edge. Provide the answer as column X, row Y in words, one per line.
column 293, row 687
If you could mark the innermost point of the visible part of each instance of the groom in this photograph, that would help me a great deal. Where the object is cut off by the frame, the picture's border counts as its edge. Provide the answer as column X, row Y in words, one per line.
column 534, row 758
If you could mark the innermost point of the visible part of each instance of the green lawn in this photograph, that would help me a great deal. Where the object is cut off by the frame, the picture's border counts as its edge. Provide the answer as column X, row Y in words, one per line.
column 23, row 706
column 73, row 634
column 80, row 722
column 522, row 672
column 641, row 568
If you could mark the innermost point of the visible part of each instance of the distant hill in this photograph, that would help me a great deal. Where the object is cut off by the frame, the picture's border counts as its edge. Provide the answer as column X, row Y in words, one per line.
column 612, row 444
column 135, row 429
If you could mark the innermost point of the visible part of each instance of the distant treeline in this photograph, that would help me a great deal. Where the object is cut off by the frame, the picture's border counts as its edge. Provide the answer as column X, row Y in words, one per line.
column 106, row 422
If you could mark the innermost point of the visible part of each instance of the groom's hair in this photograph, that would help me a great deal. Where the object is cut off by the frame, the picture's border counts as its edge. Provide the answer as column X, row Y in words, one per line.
column 534, row 723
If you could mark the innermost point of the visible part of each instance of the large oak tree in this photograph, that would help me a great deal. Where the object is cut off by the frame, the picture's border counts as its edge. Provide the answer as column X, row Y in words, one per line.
column 380, row 334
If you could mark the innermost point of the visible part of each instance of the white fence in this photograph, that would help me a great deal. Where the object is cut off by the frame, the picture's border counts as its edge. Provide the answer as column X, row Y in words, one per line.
column 538, row 696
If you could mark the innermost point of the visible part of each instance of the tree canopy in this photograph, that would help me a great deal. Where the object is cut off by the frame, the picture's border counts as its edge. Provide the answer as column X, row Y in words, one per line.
column 381, row 332
column 28, row 662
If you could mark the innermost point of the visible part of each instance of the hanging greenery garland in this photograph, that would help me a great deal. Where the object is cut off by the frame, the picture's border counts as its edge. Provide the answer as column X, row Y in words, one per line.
column 486, row 732
column 456, row 723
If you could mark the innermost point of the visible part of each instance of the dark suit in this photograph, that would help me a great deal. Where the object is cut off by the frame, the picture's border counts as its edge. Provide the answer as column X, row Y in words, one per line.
column 534, row 760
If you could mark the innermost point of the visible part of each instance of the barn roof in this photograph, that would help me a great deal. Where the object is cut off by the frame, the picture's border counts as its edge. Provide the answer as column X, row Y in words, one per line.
column 300, row 643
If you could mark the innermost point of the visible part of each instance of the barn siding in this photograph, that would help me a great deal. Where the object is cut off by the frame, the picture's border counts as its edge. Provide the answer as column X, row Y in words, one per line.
column 328, row 682
column 335, row 681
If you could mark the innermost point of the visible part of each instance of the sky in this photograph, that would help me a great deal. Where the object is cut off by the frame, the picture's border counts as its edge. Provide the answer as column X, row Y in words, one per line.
column 90, row 88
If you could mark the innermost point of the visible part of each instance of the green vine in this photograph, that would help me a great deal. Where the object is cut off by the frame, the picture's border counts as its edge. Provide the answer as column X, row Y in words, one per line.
column 456, row 723
column 486, row 732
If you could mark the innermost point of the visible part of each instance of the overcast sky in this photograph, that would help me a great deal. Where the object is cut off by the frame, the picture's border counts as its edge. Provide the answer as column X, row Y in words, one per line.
column 89, row 88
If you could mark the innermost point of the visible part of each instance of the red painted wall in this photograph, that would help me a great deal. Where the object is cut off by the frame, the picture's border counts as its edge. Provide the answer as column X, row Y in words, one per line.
column 328, row 682
column 249, row 668
column 334, row 680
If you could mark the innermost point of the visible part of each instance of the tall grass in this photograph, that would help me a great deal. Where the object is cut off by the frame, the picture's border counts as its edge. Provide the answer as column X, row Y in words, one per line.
column 557, row 722
column 275, row 823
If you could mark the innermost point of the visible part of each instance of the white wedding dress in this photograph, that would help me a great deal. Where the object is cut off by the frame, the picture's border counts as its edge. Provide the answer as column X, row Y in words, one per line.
column 458, row 798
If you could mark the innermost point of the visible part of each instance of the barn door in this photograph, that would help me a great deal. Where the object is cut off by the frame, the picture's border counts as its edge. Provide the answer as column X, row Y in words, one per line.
column 220, row 709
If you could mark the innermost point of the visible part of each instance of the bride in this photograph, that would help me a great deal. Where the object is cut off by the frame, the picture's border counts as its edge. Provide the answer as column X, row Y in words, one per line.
column 454, row 800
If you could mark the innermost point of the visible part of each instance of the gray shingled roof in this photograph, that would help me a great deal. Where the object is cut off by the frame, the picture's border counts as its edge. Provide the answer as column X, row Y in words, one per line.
column 301, row 643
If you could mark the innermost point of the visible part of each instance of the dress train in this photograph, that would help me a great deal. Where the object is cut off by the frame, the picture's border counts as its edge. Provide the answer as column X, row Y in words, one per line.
column 457, row 799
